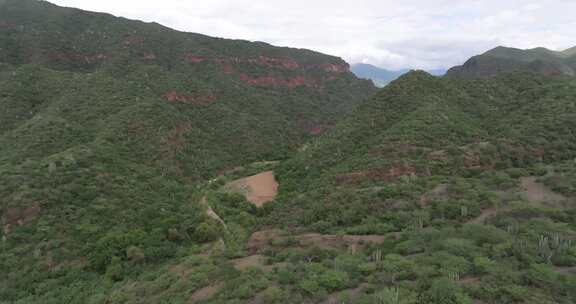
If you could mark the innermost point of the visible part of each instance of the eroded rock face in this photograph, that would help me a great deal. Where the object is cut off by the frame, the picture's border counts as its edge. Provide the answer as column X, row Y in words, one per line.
column 233, row 66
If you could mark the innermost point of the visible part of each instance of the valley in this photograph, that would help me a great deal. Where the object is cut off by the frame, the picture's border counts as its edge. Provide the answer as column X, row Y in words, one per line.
column 140, row 164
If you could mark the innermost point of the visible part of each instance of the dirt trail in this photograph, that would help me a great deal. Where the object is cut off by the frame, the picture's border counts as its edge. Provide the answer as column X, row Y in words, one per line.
column 566, row 270
column 353, row 294
column 210, row 212
column 258, row 189
column 205, row 293
column 534, row 192
column 481, row 219
column 538, row 193
column 249, row 261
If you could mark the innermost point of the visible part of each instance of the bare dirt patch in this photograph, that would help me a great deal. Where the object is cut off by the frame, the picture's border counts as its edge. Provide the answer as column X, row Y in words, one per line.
column 205, row 293
column 484, row 216
column 258, row 189
column 439, row 192
column 211, row 213
column 352, row 294
column 536, row 192
column 249, row 261
column 566, row 270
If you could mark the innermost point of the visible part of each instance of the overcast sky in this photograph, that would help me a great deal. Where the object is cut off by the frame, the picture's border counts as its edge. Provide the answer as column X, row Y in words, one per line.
column 393, row 34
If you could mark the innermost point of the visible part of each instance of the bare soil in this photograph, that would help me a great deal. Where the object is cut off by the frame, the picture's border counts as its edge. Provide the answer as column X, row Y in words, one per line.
column 205, row 293
column 484, row 216
column 258, row 189
column 353, row 294
column 249, row 261
column 536, row 192
column 566, row 270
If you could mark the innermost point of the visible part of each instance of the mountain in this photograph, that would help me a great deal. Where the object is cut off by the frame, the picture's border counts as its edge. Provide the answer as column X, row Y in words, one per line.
column 139, row 164
column 382, row 77
column 503, row 59
column 448, row 170
column 570, row 51
column 109, row 128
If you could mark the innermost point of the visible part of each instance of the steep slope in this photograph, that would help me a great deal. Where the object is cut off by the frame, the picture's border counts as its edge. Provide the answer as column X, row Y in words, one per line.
column 109, row 127
column 503, row 59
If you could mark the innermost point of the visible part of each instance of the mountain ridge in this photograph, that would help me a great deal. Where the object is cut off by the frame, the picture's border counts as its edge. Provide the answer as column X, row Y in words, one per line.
column 383, row 77
column 504, row 59
column 134, row 158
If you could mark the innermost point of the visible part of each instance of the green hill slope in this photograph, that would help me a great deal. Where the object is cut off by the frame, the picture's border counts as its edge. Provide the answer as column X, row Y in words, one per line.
column 119, row 140
column 503, row 59
column 109, row 126
column 432, row 164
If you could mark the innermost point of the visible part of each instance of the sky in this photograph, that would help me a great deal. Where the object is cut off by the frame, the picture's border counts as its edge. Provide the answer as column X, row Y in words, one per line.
column 393, row 34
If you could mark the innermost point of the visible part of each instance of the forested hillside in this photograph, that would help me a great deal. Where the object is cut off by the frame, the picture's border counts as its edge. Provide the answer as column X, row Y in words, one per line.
column 506, row 60
column 139, row 164
column 108, row 126
column 469, row 182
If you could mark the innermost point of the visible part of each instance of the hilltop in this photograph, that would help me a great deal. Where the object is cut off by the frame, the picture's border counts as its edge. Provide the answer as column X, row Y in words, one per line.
column 449, row 172
column 382, row 77
column 504, row 59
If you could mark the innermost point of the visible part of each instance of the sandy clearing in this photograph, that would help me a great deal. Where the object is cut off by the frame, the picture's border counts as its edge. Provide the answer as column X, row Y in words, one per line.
column 258, row 189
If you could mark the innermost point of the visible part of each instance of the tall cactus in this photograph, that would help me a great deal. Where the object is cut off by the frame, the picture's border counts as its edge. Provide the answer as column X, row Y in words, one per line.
column 390, row 295
column 464, row 211
column 377, row 258
column 454, row 276
column 552, row 244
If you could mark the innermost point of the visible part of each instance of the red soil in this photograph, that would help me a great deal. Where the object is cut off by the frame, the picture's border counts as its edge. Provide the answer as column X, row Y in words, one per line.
column 278, row 81
column 227, row 65
column 335, row 68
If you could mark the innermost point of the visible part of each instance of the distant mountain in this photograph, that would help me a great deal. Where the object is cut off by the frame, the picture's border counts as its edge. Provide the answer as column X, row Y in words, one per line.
column 570, row 51
column 380, row 76
column 503, row 59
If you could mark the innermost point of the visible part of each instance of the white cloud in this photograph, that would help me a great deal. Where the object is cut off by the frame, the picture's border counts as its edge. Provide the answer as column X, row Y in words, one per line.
column 390, row 33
